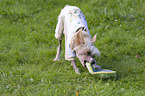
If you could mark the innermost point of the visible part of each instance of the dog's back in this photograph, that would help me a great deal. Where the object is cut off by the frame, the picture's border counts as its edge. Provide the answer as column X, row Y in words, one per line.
column 73, row 18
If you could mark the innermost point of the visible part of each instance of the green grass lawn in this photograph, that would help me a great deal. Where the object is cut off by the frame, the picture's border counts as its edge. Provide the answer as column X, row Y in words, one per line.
column 28, row 47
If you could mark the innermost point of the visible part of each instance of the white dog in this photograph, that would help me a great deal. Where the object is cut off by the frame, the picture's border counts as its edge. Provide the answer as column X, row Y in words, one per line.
column 73, row 25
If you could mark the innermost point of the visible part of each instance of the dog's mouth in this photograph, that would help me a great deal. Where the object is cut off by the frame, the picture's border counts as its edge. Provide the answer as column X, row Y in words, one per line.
column 85, row 61
column 93, row 64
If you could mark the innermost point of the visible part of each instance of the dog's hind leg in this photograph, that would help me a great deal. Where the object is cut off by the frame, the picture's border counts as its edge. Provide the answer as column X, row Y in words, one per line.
column 58, row 51
column 75, row 67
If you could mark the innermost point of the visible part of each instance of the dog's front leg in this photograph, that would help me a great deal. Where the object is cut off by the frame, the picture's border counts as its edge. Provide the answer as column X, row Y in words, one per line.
column 75, row 67
column 58, row 51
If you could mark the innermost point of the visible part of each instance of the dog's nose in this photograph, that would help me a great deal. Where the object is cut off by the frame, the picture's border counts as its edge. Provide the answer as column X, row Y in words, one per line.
column 93, row 62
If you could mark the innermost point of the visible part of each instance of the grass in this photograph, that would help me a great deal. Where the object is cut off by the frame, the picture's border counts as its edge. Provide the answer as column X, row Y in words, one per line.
column 28, row 47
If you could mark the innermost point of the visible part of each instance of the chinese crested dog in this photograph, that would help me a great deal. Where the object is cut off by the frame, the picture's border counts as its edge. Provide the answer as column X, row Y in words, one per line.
column 73, row 26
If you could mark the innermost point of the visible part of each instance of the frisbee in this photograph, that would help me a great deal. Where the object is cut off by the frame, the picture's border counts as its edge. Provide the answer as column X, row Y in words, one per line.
column 101, row 73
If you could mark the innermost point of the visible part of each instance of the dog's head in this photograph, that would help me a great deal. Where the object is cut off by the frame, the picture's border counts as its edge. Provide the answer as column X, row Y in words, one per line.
column 84, row 47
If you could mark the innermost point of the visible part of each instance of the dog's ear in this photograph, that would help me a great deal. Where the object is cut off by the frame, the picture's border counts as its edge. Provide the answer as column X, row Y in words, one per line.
column 94, row 39
column 79, row 38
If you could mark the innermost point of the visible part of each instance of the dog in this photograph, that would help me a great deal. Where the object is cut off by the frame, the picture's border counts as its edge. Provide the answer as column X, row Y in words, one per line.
column 73, row 25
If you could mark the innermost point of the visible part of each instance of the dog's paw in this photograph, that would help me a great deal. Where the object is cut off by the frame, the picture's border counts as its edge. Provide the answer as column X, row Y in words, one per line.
column 56, row 59
column 77, row 71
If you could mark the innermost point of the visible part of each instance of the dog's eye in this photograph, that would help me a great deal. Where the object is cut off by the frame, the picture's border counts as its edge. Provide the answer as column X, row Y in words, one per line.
column 89, row 53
